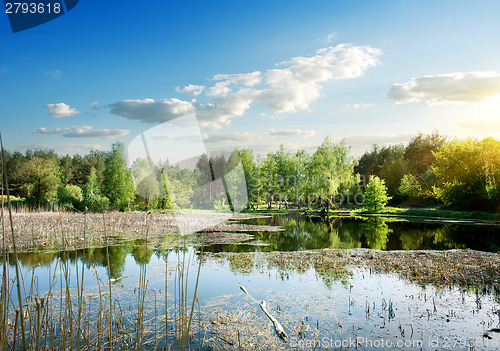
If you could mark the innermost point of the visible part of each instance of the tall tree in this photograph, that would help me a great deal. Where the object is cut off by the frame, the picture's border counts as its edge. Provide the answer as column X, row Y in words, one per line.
column 251, row 176
column 40, row 180
column 468, row 174
column 334, row 166
column 117, row 180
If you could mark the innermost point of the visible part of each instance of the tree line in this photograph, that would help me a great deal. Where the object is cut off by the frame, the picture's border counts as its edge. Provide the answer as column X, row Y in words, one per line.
column 429, row 170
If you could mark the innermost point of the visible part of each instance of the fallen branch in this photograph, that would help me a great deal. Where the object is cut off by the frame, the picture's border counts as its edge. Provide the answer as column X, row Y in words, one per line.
column 277, row 326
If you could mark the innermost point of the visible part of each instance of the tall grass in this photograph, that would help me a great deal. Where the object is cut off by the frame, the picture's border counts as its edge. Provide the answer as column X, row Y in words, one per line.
column 69, row 312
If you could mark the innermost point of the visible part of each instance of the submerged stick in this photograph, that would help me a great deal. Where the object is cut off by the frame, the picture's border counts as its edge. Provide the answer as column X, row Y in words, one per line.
column 277, row 326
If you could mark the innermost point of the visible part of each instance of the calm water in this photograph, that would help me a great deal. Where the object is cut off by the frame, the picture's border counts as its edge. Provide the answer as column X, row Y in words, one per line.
column 308, row 233
column 323, row 310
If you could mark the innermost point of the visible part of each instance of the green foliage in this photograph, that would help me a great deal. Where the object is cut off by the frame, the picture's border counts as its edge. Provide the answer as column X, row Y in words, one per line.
column 409, row 186
column 376, row 232
column 70, row 196
column 251, row 175
column 40, row 180
column 221, row 205
column 92, row 197
column 376, row 197
column 117, row 179
column 420, row 151
column 333, row 168
column 468, row 174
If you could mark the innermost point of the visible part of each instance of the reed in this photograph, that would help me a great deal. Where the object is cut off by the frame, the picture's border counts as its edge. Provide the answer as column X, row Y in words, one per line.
column 68, row 313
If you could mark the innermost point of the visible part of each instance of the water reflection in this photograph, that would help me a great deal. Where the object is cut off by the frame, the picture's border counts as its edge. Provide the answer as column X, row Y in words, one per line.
column 310, row 233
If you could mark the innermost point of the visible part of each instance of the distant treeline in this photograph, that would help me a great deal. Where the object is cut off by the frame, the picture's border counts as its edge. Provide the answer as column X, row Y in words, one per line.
column 460, row 174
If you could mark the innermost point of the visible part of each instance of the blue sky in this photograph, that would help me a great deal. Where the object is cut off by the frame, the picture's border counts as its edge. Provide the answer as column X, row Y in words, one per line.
column 255, row 73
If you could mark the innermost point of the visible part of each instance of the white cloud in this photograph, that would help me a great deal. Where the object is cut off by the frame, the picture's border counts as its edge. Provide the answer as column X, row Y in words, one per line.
column 61, row 110
column 85, row 132
column 66, row 148
column 223, row 109
column 191, row 89
column 359, row 105
column 227, row 137
column 95, row 106
column 330, row 37
column 90, row 132
column 246, row 137
column 219, row 89
column 288, row 89
column 42, row 131
column 248, row 79
column 298, row 85
column 4, row 69
column 54, row 75
column 448, row 88
column 149, row 110
column 291, row 132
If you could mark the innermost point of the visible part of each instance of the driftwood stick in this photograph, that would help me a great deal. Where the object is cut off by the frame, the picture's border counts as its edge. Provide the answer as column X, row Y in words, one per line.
column 277, row 326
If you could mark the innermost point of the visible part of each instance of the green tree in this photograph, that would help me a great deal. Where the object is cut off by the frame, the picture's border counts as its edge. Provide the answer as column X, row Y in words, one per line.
column 420, row 152
column 92, row 197
column 468, row 174
column 251, row 176
column 268, row 172
column 376, row 197
column 117, row 179
column 409, row 186
column 40, row 180
column 70, row 196
column 333, row 168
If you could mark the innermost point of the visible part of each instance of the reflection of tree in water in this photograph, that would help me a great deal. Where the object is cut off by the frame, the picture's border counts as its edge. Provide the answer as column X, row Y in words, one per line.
column 376, row 233
column 330, row 274
column 418, row 236
column 141, row 253
column 32, row 259
column 241, row 263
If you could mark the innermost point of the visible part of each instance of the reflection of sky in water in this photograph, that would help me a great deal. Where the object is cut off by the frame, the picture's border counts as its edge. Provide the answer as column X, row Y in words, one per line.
column 335, row 309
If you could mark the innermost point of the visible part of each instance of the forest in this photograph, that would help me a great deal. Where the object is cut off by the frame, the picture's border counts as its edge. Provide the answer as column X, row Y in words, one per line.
column 428, row 171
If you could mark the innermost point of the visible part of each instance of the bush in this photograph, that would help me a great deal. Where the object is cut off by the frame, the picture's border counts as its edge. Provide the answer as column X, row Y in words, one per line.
column 376, row 197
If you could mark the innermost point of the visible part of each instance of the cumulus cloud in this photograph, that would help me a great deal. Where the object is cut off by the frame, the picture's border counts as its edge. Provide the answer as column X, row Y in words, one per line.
column 291, row 87
column 149, row 110
column 85, row 132
column 439, row 89
column 95, row 106
column 191, row 89
column 220, row 112
column 54, row 75
column 291, row 132
column 61, row 110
